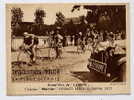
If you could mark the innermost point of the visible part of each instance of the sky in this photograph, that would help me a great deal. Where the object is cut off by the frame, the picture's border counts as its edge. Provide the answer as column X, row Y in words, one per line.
column 50, row 10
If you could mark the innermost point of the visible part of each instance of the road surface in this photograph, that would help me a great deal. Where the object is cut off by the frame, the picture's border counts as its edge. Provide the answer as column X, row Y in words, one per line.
column 72, row 65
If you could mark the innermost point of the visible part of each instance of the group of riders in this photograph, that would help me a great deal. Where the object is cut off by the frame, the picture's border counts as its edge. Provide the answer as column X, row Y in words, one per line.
column 31, row 41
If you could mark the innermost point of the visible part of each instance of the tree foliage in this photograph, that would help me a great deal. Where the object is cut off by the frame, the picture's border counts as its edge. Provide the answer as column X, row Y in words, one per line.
column 17, row 15
column 60, row 19
column 83, row 24
column 16, row 18
column 39, row 16
column 70, row 28
column 38, row 26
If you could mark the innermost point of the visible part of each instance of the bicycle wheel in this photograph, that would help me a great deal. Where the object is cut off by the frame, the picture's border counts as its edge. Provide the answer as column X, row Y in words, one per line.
column 23, row 57
column 52, row 53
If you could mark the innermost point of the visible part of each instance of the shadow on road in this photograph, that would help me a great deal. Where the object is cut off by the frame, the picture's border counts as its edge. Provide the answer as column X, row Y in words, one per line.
column 15, row 63
column 43, row 58
column 72, row 51
column 86, row 76
column 75, row 52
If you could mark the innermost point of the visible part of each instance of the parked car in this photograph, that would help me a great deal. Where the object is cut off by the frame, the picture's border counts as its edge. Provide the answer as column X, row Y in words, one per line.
column 110, row 63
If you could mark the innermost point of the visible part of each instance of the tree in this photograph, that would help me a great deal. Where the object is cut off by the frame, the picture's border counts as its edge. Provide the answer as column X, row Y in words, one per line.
column 70, row 28
column 39, row 15
column 39, row 21
column 60, row 19
column 17, row 15
column 83, row 25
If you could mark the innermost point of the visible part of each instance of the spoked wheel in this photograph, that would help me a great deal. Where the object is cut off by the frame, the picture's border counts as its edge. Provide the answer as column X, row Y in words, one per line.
column 78, row 49
column 52, row 53
column 81, row 49
column 23, row 58
column 60, row 52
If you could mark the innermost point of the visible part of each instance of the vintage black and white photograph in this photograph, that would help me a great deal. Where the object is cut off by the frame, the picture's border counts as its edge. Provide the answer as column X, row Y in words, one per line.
column 68, row 43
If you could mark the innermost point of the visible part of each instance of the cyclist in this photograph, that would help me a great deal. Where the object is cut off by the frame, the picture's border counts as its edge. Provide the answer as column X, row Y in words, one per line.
column 29, row 46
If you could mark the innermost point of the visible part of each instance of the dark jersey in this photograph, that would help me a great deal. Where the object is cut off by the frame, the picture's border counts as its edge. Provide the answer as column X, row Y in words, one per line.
column 36, row 41
column 28, row 40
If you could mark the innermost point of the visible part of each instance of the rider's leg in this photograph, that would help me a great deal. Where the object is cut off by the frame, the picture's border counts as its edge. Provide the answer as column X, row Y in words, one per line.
column 57, row 51
column 21, row 49
column 34, row 53
column 19, row 53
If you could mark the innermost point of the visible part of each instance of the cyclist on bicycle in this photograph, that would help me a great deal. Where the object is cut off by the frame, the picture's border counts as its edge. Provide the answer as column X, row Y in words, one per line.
column 58, row 43
column 29, row 46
